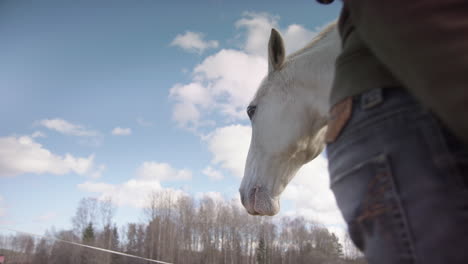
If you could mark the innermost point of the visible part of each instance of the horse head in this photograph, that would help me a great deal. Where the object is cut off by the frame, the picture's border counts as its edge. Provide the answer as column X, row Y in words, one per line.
column 288, row 117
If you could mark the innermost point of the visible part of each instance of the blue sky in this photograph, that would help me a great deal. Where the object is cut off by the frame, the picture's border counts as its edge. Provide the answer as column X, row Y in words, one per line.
column 119, row 98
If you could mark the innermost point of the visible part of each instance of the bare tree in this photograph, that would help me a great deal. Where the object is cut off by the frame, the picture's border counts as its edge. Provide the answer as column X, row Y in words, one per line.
column 106, row 211
column 41, row 255
column 179, row 229
column 85, row 213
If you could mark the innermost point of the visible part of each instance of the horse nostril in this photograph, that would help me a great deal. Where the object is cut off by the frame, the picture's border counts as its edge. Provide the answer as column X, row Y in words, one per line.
column 251, row 196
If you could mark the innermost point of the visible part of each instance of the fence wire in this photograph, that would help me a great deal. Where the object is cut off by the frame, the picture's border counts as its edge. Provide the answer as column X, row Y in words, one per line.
column 86, row 246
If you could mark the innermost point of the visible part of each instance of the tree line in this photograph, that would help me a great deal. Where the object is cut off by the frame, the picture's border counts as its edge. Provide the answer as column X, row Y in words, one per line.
column 181, row 229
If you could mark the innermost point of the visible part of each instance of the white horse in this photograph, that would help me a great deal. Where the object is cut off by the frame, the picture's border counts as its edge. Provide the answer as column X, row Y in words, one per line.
column 288, row 114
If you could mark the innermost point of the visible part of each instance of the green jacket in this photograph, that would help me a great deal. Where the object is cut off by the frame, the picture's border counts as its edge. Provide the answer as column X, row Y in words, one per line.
column 421, row 45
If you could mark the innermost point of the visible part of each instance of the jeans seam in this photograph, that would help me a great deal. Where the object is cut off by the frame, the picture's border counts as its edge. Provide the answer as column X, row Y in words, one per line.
column 382, row 194
column 342, row 175
column 398, row 213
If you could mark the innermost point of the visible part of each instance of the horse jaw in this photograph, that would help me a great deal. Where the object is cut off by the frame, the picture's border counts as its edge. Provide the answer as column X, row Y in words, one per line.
column 266, row 176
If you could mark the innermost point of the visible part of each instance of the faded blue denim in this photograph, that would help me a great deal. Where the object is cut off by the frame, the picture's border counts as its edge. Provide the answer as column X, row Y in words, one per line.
column 400, row 180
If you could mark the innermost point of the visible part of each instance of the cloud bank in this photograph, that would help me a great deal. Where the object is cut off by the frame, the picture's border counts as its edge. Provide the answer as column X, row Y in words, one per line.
column 135, row 192
column 21, row 155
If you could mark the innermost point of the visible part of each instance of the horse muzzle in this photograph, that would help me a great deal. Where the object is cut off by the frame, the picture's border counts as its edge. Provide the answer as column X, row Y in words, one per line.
column 257, row 201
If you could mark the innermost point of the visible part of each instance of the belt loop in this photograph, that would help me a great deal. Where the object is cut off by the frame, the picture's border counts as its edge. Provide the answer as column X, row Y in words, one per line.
column 371, row 98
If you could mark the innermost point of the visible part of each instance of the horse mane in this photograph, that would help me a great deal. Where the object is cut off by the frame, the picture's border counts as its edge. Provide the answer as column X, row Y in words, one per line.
column 321, row 35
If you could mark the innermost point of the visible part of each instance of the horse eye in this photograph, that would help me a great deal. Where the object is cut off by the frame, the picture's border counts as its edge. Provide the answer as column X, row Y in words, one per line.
column 251, row 111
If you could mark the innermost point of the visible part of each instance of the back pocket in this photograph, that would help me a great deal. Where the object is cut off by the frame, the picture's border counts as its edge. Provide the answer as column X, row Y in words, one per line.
column 368, row 198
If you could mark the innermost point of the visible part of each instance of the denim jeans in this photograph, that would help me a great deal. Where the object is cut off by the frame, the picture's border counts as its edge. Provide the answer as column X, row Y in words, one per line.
column 400, row 179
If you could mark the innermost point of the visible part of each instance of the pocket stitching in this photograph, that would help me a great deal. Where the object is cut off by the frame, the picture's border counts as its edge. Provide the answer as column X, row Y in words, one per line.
column 371, row 207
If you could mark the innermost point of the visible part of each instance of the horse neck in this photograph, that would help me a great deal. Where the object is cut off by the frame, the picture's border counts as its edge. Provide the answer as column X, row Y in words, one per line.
column 314, row 68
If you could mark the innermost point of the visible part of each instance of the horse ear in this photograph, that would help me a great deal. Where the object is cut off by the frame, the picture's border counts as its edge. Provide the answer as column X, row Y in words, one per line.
column 276, row 53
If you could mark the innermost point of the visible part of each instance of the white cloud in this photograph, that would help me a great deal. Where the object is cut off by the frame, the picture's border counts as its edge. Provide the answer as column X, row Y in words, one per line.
column 231, row 77
column 47, row 217
column 135, row 191
column 193, row 92
column 186, row 114
column 297, row 36
column 151, row 170
column 4, row 214
column 311, row 195
column 215, row 196
column 38, row 134
column 67, row 128
column 2, row 208
column 258, row 28
column 97, row 171
column 194, row 42
column 213, row 174
column 229, row 146
column 132, row 192
column 224, row 83
column 118, row 131
column 19, row 155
